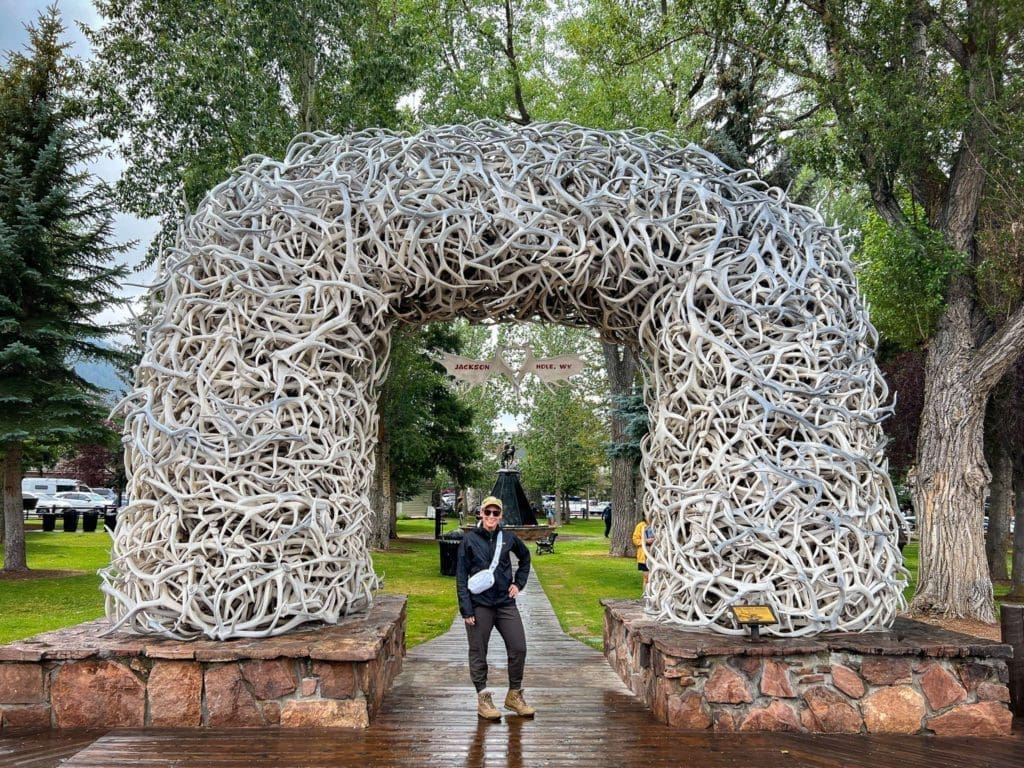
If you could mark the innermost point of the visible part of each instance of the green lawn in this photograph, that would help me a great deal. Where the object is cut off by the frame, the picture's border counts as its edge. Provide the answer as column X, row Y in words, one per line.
column 575, row 578
column 413, row 567
column 580, row 573
column 28, row 607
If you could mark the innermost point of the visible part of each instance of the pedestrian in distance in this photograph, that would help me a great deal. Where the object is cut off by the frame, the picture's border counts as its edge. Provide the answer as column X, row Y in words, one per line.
column 488, row 602
column 606, row 515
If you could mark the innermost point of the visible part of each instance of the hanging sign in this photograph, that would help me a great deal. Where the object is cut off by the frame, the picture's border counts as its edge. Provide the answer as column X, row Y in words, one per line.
column 547, row 369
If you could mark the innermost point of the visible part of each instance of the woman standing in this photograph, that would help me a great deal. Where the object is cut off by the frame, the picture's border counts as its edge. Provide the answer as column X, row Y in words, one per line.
column 495, row 606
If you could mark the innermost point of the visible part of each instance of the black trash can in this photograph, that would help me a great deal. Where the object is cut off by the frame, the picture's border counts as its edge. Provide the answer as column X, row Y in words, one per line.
column 449, row 544
column 110, row 520
column 49, row 521
column 71, row 521
column 89, row 520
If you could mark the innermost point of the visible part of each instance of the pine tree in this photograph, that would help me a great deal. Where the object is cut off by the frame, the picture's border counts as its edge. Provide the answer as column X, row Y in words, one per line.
column 57, row 269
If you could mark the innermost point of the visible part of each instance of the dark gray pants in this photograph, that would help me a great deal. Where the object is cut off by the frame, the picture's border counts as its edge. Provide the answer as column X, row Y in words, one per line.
column 510, row 626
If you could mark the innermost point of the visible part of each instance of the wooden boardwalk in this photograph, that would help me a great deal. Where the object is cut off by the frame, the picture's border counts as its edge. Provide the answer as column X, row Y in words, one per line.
column 586, row 717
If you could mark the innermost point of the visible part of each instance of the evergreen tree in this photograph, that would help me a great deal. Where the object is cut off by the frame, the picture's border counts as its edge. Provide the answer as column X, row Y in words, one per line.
column 424, row 427
column 56, row 261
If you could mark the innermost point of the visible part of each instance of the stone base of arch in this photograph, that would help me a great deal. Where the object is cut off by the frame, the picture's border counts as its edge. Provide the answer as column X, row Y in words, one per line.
column 913, row 679
column 326, row 676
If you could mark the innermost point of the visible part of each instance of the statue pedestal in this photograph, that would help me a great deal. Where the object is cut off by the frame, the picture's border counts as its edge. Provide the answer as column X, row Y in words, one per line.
column 332, row 676
column 915, row 678
column 515, row 505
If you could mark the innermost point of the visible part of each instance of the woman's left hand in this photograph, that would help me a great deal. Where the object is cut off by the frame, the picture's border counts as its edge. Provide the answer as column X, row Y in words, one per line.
column 513, row 591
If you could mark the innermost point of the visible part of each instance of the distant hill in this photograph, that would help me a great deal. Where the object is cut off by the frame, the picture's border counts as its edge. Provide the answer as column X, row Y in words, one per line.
column 102, row 375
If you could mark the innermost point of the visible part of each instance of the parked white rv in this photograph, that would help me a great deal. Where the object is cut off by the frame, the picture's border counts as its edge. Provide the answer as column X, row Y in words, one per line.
column 49, row 485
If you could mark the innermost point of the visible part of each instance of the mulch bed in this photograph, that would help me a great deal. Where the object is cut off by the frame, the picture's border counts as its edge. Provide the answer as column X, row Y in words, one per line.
column 964, row 626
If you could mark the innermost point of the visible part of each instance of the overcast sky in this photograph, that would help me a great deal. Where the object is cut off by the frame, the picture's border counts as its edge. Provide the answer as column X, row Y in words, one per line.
column 14, row 15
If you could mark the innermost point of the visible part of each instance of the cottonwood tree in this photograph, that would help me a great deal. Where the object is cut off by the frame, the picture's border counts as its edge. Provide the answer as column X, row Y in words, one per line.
column 487, row 59
column 56, row 258
column 923, row 107
column 626, row 491
column 1001, row 288
column 188, row 89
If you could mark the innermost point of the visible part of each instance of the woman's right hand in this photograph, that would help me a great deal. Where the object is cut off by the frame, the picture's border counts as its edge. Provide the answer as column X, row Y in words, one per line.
column 471, row 620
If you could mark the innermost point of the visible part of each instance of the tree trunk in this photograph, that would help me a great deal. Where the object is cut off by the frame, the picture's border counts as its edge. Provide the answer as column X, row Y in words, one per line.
column 14, row 517
column 1017, row 572
column 621, row 364
column 378, row 537
column 999, row 511
column 562, row 508
column 392, row 503
column 951, row 476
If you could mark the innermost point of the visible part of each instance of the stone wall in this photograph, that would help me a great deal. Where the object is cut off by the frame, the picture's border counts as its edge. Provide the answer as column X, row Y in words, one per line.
column 328, row 676
column 913, row 679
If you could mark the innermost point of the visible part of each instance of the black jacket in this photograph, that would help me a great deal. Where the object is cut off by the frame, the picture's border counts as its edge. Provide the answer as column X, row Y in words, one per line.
column 475, row 554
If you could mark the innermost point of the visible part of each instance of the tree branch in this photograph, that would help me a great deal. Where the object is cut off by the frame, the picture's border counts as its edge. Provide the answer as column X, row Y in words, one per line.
column 951, row 42
column 643, row 56
column 510, row 52
column 1000, row 352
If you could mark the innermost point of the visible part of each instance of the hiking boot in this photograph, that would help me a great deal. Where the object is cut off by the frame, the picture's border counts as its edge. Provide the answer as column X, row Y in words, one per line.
column 485, row 706
column 517, row 703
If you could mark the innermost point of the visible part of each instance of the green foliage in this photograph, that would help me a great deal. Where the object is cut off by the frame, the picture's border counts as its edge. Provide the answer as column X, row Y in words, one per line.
column 489, row 60
column 620, row 72
column 563, row 442
column 55, row 255
column 633, row 410
column 906, row 271
column 428, row 428
column 190, row 88
column 1000, row 273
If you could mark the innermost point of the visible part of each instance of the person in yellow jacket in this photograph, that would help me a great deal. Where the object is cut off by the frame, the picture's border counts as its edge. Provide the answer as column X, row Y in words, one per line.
column 643, row 535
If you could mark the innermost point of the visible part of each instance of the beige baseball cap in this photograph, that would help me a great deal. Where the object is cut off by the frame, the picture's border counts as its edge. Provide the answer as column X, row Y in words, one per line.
column 492, row 501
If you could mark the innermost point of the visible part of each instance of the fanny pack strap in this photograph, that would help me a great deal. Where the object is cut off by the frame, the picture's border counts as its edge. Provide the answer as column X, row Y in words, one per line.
column 497, row 554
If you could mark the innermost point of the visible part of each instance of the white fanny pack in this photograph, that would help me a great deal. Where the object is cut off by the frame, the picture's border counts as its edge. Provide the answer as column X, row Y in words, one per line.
column 484, row 580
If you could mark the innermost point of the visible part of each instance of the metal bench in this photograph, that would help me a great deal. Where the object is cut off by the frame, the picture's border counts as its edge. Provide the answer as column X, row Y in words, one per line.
column 546, row 546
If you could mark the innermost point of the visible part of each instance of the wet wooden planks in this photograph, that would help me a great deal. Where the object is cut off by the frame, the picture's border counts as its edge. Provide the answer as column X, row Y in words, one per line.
column 42, row 750
column 586, row 717
column 519, row 743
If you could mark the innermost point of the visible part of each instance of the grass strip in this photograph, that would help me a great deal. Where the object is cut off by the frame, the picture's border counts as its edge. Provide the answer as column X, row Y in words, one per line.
column 575, row 578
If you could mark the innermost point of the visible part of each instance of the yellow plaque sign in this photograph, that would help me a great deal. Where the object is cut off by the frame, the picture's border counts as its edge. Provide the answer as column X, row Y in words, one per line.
column 754, row 614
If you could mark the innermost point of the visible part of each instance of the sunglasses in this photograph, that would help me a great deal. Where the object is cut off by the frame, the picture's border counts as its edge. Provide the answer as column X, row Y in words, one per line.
column 492, row 512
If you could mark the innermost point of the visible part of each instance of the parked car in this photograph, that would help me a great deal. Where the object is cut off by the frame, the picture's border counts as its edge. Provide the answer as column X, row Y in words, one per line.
column 47, row 504
column 84, row 500
column 107, row 493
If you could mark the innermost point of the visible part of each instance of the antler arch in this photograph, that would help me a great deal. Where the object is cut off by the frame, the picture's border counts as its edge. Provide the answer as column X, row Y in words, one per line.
column 251, row 428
